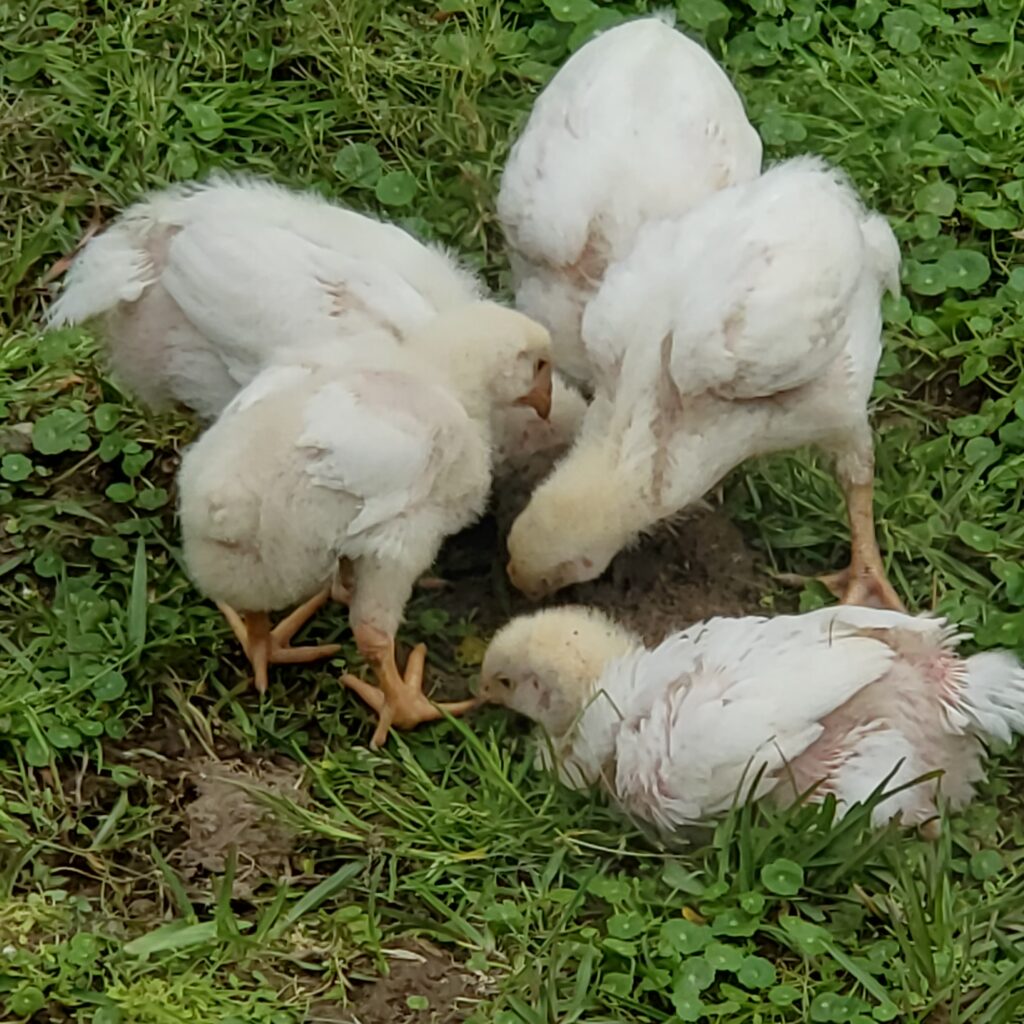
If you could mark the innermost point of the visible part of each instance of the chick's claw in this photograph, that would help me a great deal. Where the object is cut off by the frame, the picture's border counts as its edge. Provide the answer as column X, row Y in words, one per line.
column 863, row 583
column 265, row 646
column 398, row 700
column 866, row 587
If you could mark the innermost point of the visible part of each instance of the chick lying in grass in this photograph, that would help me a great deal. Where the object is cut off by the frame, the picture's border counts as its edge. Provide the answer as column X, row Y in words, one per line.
column 361, row 459
column 833, row 701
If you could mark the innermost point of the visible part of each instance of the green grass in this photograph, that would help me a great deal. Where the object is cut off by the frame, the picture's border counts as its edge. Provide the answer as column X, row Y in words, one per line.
column 114, row 673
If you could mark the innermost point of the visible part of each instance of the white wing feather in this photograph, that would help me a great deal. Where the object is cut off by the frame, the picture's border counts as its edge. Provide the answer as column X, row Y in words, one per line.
column 255, row 290
column 382, row 440
column 430, row 270
column 267, row 385
column 754, row 288
column 699, row 716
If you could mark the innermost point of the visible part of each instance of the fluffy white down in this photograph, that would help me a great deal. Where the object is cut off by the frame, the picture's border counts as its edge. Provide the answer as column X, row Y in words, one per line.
column 373, row 460
column 834, row 699
column 759, row 290
column 639, row 124
column 201, row 285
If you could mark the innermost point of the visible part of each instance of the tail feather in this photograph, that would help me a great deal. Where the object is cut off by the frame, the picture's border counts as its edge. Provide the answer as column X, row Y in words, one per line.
column 112, row 268
column 993, row 695
column 214, row 506
column 884, row 249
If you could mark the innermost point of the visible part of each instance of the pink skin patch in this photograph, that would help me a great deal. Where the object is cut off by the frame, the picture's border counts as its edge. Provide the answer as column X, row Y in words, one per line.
column 945, row 672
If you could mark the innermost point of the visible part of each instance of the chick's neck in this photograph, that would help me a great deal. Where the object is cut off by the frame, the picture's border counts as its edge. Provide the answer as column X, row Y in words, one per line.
column 584, row 676
column 463, row 366
column 608, row 496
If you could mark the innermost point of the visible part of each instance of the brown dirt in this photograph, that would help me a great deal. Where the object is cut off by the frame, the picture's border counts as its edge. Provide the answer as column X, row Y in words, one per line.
column 216, row 801
column 230, row 809
column 946, row 394
column 686, row 570
column 416, row 970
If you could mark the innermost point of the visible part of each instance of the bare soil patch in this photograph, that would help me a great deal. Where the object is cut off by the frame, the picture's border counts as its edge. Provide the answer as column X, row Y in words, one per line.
column 686, row 570
column 417, row 972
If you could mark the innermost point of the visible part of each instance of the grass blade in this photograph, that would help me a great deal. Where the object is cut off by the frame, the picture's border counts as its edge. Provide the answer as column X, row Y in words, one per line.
column 174, row 884
column 138, row 599
column 317, row 895
column 177, row 935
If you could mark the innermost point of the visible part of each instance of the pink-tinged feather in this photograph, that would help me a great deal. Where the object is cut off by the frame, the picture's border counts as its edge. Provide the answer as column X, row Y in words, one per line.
column 833, row 702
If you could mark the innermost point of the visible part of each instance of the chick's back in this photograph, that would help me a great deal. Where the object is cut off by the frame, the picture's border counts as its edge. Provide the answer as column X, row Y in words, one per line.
column 253, row 523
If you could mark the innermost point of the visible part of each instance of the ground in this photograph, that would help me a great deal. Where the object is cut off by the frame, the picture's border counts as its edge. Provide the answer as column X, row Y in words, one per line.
column 175, row 850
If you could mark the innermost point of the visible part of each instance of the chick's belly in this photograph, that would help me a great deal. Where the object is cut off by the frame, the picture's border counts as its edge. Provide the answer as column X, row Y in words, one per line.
column 266, row 575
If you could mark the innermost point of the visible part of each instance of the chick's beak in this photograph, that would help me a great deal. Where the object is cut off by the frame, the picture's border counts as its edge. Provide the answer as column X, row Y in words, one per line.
column 539, row 395
column 487, row 691
column 534, row 593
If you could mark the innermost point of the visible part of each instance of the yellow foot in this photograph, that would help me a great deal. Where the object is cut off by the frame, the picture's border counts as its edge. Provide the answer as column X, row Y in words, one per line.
column 265, row 646
column 867, row 588
column 398, row 700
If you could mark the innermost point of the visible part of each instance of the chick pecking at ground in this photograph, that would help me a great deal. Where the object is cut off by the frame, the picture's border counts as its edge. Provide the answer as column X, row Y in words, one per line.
column 639, row 124
column 199, row 287
column 832, row 702
column 750, row 325
column 344, row 471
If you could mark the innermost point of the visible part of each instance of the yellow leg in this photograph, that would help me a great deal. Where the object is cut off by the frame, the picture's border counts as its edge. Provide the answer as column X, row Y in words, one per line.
column 265, row 646
column 864, row 581
column 398, row 700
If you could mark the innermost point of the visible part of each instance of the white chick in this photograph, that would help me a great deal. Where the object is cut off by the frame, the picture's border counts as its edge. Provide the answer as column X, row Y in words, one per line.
column 201, row 286
column 835, row 701
column 366, row 459
column 639, row 124
column 750, row 325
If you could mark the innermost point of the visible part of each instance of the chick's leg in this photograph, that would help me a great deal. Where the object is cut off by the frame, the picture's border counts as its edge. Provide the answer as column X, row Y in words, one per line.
column 343, row 585
column 398, row 699
column 265, row 645
column 864, row 581
column 382, row 587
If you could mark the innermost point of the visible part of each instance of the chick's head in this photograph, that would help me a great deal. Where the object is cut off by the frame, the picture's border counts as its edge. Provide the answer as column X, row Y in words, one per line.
column 497, row 351
column 522, row 371
column 545, row 665
column 574, row 525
